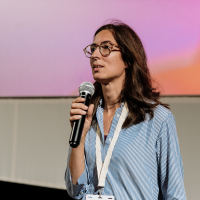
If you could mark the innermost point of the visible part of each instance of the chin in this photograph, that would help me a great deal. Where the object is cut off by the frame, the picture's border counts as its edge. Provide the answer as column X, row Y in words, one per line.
column 101, row 80
column 97, row 77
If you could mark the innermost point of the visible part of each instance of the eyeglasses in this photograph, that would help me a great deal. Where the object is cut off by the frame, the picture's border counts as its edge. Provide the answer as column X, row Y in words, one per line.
column 105, row 49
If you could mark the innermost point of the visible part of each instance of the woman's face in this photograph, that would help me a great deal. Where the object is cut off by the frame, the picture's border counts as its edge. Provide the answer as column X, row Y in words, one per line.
column 110, row 68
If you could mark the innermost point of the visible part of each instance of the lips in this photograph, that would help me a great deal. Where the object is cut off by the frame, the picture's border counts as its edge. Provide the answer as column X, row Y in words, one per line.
column 97, row 66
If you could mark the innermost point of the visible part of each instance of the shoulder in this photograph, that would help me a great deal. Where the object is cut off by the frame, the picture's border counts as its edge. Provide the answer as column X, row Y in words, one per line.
column 164, row 121
column 163, row 118
column 162, row 114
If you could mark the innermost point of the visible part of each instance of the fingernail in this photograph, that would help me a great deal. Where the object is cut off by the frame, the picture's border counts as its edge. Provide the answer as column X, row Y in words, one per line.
column 85, row 107
column 84, row 112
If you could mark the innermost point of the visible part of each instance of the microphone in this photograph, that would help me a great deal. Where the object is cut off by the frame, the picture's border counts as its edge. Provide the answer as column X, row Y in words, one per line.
column 86, row 90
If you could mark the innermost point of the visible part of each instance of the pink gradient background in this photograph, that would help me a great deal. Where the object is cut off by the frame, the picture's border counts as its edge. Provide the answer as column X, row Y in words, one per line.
column 41, row 43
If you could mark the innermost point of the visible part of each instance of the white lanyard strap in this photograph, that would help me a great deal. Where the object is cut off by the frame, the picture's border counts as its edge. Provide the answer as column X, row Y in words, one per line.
column 102, row 168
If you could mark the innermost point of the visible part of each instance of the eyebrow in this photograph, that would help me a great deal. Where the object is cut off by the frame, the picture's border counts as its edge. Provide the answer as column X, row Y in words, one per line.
column 102, row 42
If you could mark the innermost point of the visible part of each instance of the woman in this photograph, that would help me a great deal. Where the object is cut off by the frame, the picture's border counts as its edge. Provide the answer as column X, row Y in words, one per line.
column 144, row 161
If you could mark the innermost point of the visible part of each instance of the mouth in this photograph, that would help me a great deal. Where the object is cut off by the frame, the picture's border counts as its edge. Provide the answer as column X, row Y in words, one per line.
column 97, row 66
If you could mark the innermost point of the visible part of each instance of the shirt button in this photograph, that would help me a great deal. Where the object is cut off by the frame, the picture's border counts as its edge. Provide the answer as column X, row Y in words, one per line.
column 109, row 139
column 118, row 115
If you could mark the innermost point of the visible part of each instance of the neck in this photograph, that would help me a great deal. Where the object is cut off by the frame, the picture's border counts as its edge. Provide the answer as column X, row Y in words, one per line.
column 111, row 94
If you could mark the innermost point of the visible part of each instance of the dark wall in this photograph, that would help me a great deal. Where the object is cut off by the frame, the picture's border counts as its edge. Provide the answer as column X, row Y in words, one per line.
column 21, row 191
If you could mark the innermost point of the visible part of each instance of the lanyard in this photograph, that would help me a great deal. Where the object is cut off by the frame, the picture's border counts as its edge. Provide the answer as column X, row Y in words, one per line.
column 102, row 168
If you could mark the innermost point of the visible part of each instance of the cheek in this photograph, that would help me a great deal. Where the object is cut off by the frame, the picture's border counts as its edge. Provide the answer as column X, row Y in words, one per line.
column 117, row 63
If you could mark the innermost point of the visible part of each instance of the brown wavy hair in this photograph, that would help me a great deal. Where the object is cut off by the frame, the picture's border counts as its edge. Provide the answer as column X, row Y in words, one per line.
column 139, row 94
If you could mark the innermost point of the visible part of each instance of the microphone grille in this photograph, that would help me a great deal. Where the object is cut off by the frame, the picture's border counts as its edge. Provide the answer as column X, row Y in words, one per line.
column 86, row 87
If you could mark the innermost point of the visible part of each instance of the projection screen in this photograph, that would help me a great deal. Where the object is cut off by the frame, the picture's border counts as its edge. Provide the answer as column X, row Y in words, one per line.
column 42, row 43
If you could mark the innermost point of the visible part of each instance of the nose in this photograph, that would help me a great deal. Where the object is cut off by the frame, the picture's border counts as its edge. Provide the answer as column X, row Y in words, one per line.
column 96, row 53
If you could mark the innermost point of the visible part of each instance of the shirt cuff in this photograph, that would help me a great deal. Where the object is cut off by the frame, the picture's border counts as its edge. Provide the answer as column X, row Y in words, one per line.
column 79, row 190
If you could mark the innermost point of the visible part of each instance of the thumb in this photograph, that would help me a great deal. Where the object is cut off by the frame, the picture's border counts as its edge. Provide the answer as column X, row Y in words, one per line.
column 88, row 120
column 89, row 113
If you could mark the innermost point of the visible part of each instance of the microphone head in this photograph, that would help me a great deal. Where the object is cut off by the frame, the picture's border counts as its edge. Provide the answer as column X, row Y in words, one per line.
column 86, row 87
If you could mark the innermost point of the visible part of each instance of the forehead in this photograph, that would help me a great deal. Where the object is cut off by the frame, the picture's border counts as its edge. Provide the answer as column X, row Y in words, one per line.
column 104, row 35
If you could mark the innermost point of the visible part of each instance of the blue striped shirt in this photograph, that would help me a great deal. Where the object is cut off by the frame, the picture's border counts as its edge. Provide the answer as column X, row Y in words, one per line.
column 145, row 156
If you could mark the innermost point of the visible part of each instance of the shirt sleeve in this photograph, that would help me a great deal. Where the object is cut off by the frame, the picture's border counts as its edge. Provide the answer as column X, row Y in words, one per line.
column 83, row 187
column 170, row 168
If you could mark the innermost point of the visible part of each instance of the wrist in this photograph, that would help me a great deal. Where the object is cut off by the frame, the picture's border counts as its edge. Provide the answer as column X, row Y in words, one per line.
column 80, row 149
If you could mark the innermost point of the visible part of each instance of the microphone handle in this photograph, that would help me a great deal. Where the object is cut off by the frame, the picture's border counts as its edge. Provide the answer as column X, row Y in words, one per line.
column 77, row 129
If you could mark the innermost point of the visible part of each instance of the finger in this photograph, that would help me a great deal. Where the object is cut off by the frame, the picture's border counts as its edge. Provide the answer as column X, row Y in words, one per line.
column 89, row 112
column 79, row 99
column 74, row 117
column 77, row 112
column 79, row 106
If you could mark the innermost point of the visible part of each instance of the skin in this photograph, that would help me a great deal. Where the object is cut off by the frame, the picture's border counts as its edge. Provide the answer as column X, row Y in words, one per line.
column 111, row 75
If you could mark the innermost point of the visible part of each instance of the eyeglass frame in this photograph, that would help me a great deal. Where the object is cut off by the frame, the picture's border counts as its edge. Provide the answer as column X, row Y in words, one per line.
column 110, row 49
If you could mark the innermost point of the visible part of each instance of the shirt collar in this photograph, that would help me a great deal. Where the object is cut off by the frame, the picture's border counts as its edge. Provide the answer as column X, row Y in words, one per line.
column 101, row 102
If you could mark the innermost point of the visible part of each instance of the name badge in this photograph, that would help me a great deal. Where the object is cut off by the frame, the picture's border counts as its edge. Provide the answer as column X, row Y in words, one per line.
column 97, row 197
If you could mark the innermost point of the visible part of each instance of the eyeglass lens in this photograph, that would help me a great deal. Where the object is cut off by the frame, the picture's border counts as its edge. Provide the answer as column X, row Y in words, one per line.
column 104, row 48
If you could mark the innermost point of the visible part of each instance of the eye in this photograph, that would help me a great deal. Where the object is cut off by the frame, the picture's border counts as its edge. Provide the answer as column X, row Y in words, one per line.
column 92, row 48
column 105, row 46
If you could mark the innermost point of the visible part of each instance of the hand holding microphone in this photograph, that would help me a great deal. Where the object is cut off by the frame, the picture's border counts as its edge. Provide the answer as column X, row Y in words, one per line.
column 81, row 121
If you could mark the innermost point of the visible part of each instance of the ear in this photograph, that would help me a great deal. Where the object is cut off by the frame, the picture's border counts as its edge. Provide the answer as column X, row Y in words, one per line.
column 126, row 66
